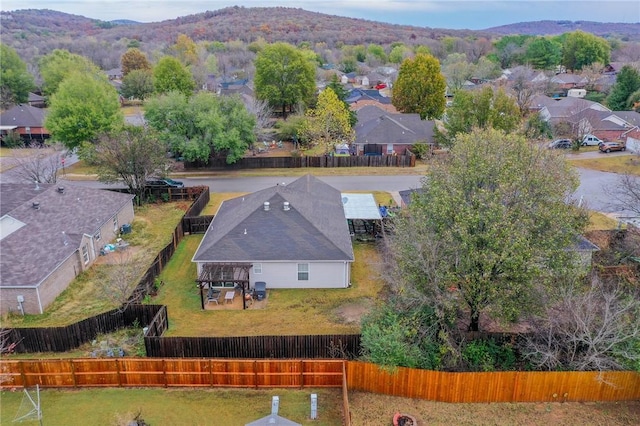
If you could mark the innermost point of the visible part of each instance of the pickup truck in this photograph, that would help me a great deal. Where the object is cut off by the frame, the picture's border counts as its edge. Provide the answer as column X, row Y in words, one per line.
column 590, row 140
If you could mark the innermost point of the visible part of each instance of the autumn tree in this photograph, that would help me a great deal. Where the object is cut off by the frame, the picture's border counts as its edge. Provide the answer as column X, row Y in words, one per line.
column 134, row 59
column 328, row 123
column 488, row 229
column 202, row 125
column 130, row 154
column 420, row 87
column 59, row 64
column 84, row 106
column 185, row 50
column 627, row 82
column 457, row 70
column 341, row 93
column 581, row 48
column 486, row 108
column 170, row 75
column 284, row 77
column 15, row 80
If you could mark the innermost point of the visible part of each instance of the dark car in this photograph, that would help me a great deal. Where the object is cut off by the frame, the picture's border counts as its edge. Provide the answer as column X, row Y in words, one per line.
column 164, row 183
column 611, row 146
column 560, row 144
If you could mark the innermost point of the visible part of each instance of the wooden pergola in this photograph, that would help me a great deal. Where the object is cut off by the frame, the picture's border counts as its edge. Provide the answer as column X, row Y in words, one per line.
column 214, row 274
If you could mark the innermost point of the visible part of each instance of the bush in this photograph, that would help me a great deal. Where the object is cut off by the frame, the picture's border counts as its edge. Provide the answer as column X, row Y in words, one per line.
column 487, row 355
column 12, row 140
column 421, row 150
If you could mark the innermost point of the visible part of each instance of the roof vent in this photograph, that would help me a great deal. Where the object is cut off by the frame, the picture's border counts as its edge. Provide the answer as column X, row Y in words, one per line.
column 285, row 206
column 61, row 189
column 266, row 206
column 36, row 205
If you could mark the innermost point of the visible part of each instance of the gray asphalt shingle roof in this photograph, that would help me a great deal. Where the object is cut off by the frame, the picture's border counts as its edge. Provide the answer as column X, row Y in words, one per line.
column 23, row 116
column 314, row 228
column 391, row 128
column 32, row 252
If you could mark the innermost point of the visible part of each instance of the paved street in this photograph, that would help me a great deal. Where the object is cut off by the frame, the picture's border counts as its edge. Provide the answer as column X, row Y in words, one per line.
column 594, row 190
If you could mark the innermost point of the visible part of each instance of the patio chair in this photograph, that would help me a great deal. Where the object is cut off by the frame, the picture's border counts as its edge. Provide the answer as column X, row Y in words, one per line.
column 213, row 295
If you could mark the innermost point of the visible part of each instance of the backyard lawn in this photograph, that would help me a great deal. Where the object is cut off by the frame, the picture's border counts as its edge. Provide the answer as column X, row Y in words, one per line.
column 98, row 407
column 287, row 311
column 614, row 164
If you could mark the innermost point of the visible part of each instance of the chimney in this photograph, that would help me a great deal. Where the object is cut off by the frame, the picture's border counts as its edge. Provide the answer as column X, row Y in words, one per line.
column 285, row 206
column 36, row 205
column 266, row 206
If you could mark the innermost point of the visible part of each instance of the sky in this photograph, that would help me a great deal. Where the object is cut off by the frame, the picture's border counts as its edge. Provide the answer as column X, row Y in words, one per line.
column 449, row 14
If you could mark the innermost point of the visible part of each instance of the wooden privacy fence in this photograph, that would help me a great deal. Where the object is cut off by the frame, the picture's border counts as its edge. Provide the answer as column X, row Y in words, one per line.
column 306, row 346
column 147, row 372
column 504, row 386
column 304, row 161
column 62, row 339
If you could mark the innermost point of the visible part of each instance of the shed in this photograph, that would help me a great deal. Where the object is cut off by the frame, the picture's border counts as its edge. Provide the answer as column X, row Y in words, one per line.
column 362, row 214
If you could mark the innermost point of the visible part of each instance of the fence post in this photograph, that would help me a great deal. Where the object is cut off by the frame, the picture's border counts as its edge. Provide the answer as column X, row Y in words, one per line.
column 301, row 373
column 73, row 373
column 164, row 372
column 118, row 373
column 255, row 374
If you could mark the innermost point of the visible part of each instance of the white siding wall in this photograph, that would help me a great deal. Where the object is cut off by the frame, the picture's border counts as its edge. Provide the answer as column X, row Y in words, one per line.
column 321, row 275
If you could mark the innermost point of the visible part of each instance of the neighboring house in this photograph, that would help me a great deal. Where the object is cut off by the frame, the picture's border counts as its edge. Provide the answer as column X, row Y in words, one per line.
column 289, row 236
column 390, row 133
column 36, row 100
column 114, row 74
column 358, row 98
column 584, row 249
column 27, row 121
column 569, row 81
column 563, row 109
column 48, row 235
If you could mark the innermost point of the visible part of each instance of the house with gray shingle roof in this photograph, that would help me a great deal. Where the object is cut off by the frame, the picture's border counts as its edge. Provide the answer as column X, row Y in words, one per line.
column 27, row 121
column 293, row 236
column 391, row 133
column 48, row 235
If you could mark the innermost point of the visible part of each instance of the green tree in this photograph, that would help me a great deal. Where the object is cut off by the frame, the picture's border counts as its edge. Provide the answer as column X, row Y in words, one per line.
column 481, row 109
column 341, row 93
column 627, row 82
column 170, row 75
column 59, row 64
column 284, row 77
column 83, row 107
column 133, row 59
column 581, row 49
column 543, row 53
column 420, row 87
column 328, row 123
column 137, row 84
column 509, row 50
column 489, row 228
column 15, row 80
column 131, row 154
column 202, row 125
column 398, row 54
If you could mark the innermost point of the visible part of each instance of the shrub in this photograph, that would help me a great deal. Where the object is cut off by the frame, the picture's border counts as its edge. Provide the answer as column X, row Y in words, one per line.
column 12, row 140
column 421, row 150
column 487, row 355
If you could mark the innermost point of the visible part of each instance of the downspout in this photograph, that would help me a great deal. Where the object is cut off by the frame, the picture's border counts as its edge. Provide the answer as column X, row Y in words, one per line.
column 39, row 301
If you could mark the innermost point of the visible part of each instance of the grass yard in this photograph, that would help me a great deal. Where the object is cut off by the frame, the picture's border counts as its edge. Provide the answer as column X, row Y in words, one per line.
column 239, row 406
column 369, row 409
column 613, row 164
column 287, row 312
column 151, row 231
column 112, row 406
column 600, row 221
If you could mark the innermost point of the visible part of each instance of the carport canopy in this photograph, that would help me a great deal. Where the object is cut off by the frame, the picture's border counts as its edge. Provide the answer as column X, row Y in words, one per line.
column 360, row 206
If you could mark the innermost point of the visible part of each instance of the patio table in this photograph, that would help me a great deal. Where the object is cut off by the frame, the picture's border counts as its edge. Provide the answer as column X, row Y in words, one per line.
column 228, row 297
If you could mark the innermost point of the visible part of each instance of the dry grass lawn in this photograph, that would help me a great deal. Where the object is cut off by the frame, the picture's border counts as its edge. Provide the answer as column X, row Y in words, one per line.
column 287, row 312
column 613, row 164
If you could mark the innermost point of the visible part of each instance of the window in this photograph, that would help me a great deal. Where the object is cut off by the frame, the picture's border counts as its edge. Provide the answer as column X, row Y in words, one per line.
column 303, row 272
column 257, row 268
column 97, row 236
column 226, row 276
column 115, row 224
column 389, row 148
column 85, row 254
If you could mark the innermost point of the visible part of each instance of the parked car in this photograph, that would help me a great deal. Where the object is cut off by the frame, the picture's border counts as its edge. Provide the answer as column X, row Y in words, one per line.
column 164, row 183
column 560, row 144
column 611, row 146
column 380, row 86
